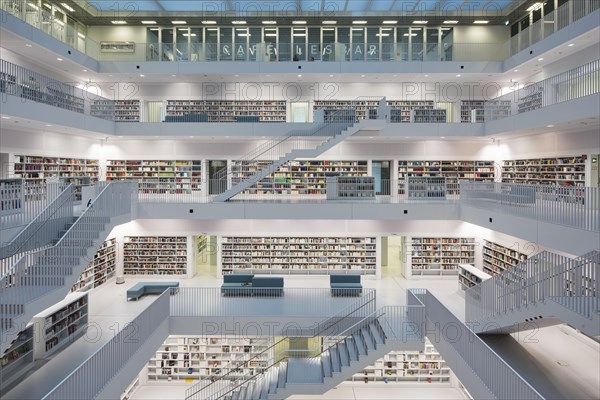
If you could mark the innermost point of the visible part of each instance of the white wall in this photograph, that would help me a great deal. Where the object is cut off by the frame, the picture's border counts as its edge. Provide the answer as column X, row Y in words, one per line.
column 25, row 62
column 481, row 34
column 135, row 34
column 550, row 145
column 584, row 56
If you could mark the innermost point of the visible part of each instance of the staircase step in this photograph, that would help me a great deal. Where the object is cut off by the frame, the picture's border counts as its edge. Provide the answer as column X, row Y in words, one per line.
column 360, row 343
column 343, row 349
column 273, row 376
column 352, row 350
column 379, row 339
column 335, row 360
column 282, row 377
column 368, row 338
column 326, row 364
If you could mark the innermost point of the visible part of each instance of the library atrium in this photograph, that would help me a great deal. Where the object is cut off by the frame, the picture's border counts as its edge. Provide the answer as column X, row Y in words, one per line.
column 299, row 199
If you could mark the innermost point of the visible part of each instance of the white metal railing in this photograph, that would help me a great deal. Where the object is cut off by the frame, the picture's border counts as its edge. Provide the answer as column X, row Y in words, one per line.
column 40, row 272
column 544, row 276
column 91, row 377
column 569, row 85
column 468, row 356
column 340, row 322
column 34, row 198
column 572, row 206
column 44, row 228
column 203, row 302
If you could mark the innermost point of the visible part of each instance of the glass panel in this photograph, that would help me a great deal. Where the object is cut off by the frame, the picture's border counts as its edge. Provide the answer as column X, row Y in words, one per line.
column 46, row 11
column 196, row 44
column 388, row 51
column 416, row 37
column 358, row 44
column 255, row 39
column 167, row 44
column 447, row 43
column 285, row 44
column 432, row 53
column 211, row 47
column 226, row 44
column 314, row 44
column 299, row 41
column 372, row 49
column 182, row 49
column 328, row 41
column 58, row 25
column 81, row 34
column 241, row 44
column 152, row 52
column 344, row 40
column 71, row 32
column 32, row 13
column 270, row 39
column 402, row 40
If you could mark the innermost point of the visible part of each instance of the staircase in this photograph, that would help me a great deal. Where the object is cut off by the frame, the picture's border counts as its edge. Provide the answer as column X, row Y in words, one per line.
column 547, row 289
column 45, row 276
column 337, row 125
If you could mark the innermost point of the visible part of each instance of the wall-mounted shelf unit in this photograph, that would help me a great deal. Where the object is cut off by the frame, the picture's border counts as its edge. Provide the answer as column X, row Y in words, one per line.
column 560, row 171
column 440, row 256
column 61, row 324
column 351, row 187
column 228, row 110
column 104, row 109
column 497, row 109
column 298, row 255
column 155, row 255
column 127, row 111
column 469, row 276
column 400, row 111
column 466, row 108
column 13, row 196
column 530, row 102
column 186, row 358
column 100, row 269
column 428, row 116
column 17, row 360
column 426, row 188
column 407, row 366
column 498, row 258
column 158, row 176
column 362, row 108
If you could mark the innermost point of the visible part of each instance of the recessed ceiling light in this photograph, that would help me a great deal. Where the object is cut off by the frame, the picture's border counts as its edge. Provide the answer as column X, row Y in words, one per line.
column 173, row 76
column 458, row 75
column 59, row 59
column 119, row 22
column 142, row 75
column 149, row 22
column 442, row 137
column 362, row 76
column 534, row 6
column 359, row 22
column 426, row 76
column 48, row 125
column 331, row 76
column 268, row 75
column 85, row 70
column 329, row 22
column 238, row 22
column 5, row 117
column 541, row 59
column 571, row 44
column 394, row 75
column 299, row 22
column 209, row 22
column 549, row 126
column 370, row 137
column 389, row 22
column 191, row 137
column 480, row 21
column 516, row 70
column 66, row 7
column 237, row 76
column 299, row 75
column 420, row 22
column 178, row 22
column 263, row 137
column 28, row 45
column 269, row 22
column 451, row 22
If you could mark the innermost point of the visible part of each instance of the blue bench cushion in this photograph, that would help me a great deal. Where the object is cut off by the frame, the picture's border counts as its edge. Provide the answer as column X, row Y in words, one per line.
column 267, row 282
column 142, row 288
column 242, row 278
column 346, row 285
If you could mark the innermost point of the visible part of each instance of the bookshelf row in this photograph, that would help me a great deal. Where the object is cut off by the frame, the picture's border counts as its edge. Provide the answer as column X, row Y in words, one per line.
column 469, row 276
column 117, row 110
column 158, row 176
column 481, row 111
column 440, row 255
column 155, row 255
column 228, row 110
column 530, row 102
column 562, row 171
column 298, row 255
column 498, row 258
column 100, row 269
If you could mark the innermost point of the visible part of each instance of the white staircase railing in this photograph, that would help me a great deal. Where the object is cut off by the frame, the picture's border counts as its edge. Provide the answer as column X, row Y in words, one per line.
column 545, row 276
column 42, row 230
column 55, row 269
column 231, row 381
column 481, row 370
column 32, row 200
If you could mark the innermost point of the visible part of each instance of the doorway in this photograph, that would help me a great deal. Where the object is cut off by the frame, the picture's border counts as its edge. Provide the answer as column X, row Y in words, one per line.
column 300, row 112
column 382, row 174
column 217, row 180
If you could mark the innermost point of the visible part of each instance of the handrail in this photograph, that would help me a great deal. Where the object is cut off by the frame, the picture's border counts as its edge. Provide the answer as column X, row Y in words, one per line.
column 316, row 331
column 9, row 249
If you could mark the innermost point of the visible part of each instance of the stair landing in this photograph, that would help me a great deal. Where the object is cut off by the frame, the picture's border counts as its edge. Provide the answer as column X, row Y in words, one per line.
column 304, row 370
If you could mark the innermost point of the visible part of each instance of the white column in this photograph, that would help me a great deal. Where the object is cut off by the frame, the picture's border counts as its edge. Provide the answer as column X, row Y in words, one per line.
column 191, row 257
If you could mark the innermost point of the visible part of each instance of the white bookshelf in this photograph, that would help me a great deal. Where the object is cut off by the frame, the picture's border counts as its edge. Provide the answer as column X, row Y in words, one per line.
column 187, row 358
column 17, row 360
column 104, row 109
column 155, row 255
column 469, row 276
column 228, row 110
column 61, row 324
column 100, row 269
column 407, row 366
column 351, row 187
column 440, row 255
column 498, row 258
column 559, row 171
column 298, row 255
column 466, row 111
column 530, row 102
column 426, row 188
column 127, row 110
column 428, row 116
column 362, row 108
column 13, row 196
column 158, row 176
column 400, row 110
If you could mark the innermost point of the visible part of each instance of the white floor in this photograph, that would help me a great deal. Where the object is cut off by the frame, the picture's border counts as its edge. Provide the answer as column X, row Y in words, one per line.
column 565, row 365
